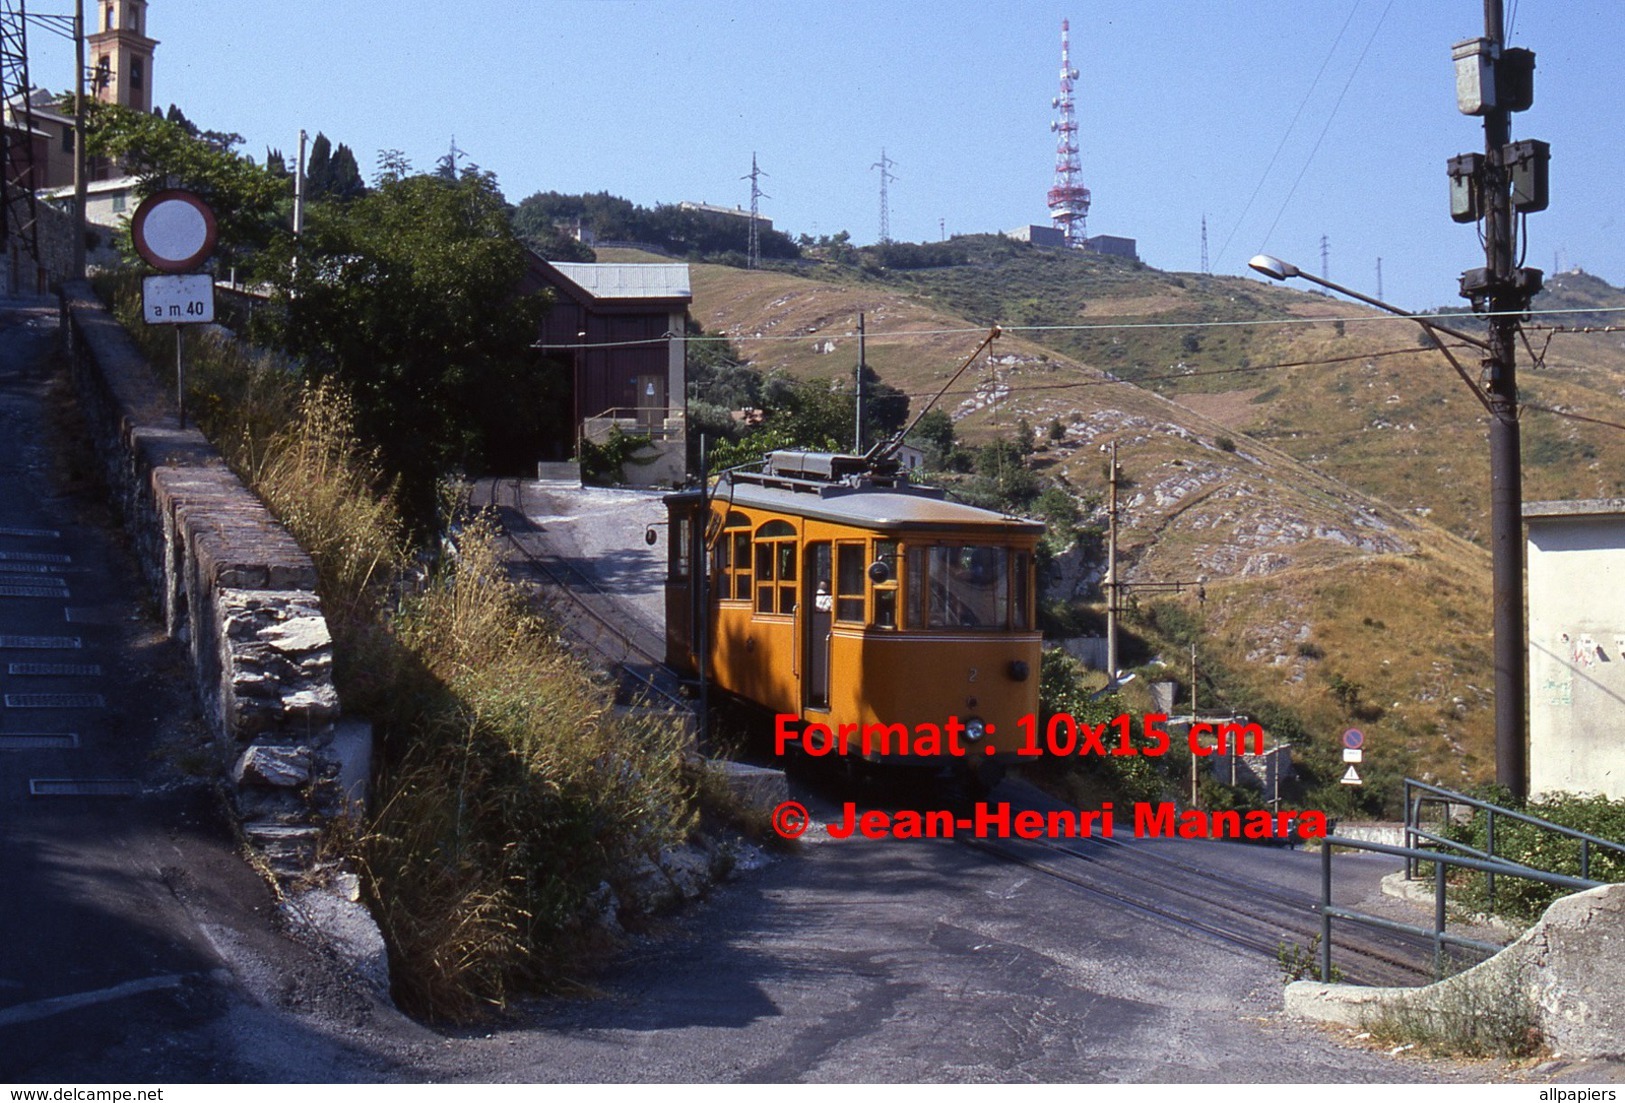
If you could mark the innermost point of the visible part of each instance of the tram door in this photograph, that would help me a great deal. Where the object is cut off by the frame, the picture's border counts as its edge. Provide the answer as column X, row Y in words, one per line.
column 818, row 601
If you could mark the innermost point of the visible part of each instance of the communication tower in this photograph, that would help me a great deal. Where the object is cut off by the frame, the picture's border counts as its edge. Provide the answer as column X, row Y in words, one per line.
column 1068, row 199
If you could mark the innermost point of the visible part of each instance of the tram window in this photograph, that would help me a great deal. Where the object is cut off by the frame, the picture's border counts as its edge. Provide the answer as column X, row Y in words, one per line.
column 886, row 608
column 776, row 568
column 886, row 592
column 959, row 586
column 733, row 567
column 916, row 587
column 741, row 566
column 679, row 548
column 849, row 582
column 1021, row 577
column 787, row 574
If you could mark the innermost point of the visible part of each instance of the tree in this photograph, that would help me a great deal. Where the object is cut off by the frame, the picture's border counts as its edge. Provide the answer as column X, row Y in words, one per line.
column 410, row 297
column 248, row 201
column 317, row 166
column 332, row 173
column 344, row 175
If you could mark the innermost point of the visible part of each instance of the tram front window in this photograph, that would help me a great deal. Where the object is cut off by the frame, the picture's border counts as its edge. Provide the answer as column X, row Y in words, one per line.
column 959, row 586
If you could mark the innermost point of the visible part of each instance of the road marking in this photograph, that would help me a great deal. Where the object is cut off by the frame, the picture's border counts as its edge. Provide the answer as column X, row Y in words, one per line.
column 40, row 741
column 39, row 643
column 83, row 787
column 34, row 557
column 71, row 670
column 49, row 534
column 55, row 701
column 24, row 572
column 33, row 591
column 40, row 1009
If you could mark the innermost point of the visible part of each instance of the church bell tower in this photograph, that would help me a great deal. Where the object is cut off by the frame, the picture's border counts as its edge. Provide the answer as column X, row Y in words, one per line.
column 121, row 55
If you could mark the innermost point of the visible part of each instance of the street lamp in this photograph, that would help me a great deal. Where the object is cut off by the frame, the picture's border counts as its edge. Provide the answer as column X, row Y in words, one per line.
column 1506, row 524
column 1277, row 269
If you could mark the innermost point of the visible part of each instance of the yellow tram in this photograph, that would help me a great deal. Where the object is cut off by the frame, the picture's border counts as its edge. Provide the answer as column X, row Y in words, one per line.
column 858, row 607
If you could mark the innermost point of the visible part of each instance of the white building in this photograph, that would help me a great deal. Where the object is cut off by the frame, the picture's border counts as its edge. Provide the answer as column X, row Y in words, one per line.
column 1576, row 572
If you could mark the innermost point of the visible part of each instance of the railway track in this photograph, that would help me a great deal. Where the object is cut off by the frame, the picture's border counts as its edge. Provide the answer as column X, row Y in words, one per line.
column 595, row 619
column 1244, row 914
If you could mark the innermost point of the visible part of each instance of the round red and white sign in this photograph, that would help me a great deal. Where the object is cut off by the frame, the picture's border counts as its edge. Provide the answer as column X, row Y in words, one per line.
column 174, row 231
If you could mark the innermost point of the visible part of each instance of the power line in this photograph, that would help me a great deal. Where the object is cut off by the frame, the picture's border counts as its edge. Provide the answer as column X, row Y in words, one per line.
column 909, row 334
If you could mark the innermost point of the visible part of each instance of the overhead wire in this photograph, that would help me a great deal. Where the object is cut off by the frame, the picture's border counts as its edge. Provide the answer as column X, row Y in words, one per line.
column 884, row 336
column 1329, row 119
column 1263, row 176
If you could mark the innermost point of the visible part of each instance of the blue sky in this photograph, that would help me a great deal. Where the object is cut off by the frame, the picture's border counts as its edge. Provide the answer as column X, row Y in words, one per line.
column 1182, row 109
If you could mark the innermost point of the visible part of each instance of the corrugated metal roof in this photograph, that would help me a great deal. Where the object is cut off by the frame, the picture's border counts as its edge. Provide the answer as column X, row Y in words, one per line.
column 629, row 281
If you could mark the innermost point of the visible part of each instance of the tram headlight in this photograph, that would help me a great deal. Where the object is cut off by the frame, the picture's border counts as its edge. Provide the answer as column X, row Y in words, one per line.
column 975, row 729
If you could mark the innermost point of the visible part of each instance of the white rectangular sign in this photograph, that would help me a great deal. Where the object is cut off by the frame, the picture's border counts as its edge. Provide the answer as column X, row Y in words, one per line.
column 1353, row 754
column 177, row 300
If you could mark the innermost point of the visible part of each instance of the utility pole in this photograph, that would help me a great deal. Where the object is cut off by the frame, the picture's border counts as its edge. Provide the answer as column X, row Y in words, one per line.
column 79, row 183
column 753, row 256
column 1510, row 178
column 885, row 166
column 1110, row 582
column 857, row 433
column 1506, row 470
column 1194, row 790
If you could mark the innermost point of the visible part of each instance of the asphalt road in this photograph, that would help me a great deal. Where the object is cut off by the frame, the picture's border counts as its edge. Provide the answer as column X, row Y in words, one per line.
column 134, row 941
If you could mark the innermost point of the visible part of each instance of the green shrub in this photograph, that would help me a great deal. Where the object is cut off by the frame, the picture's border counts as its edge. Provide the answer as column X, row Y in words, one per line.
column 1540, row 849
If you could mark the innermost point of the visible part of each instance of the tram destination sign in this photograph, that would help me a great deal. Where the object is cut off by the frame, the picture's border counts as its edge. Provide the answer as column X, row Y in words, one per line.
column 177, row 300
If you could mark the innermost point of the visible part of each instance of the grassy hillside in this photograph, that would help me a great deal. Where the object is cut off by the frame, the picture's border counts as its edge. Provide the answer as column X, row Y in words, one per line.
column 1321, row 468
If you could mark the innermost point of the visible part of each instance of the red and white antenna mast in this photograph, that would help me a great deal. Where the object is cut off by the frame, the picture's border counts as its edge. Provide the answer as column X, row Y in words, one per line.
column 1068, row 199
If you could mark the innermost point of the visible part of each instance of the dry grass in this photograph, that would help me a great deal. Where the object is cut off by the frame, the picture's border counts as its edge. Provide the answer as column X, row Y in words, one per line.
column 507, row 789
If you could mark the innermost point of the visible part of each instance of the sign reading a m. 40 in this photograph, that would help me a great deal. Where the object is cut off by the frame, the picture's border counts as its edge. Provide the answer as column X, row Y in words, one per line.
column 177, row 300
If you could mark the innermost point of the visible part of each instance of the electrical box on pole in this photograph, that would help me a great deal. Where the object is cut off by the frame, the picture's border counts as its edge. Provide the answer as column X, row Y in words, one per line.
column 1527, row 163
column 1475, row 75
column 1467, row 187
column 1515, row 79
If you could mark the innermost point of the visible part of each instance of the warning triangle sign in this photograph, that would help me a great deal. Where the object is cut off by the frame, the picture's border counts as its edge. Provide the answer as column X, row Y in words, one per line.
column 1351, row 776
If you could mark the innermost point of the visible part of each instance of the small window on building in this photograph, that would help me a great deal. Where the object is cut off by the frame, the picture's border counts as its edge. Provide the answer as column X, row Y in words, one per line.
column 118, row 202
column 67, row 139
column 138, row 72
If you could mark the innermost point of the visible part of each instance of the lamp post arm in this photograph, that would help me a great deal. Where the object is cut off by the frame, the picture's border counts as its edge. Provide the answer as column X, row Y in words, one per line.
column 1476, row 342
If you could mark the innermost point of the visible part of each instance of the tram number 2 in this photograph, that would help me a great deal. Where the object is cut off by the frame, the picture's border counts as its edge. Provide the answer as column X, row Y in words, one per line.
column 972, row 677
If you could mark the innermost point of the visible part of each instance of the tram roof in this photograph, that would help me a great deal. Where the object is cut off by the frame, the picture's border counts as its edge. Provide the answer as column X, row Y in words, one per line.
column 882, row 508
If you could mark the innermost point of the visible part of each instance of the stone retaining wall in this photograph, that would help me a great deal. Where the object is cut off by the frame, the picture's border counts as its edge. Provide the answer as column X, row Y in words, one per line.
column 1568, row 970
column 233, row 585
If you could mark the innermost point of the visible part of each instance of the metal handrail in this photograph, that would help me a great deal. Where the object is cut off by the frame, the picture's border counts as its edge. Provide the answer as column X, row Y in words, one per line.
column 1441, row 937
column 654, row 427
column 1435, row 794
